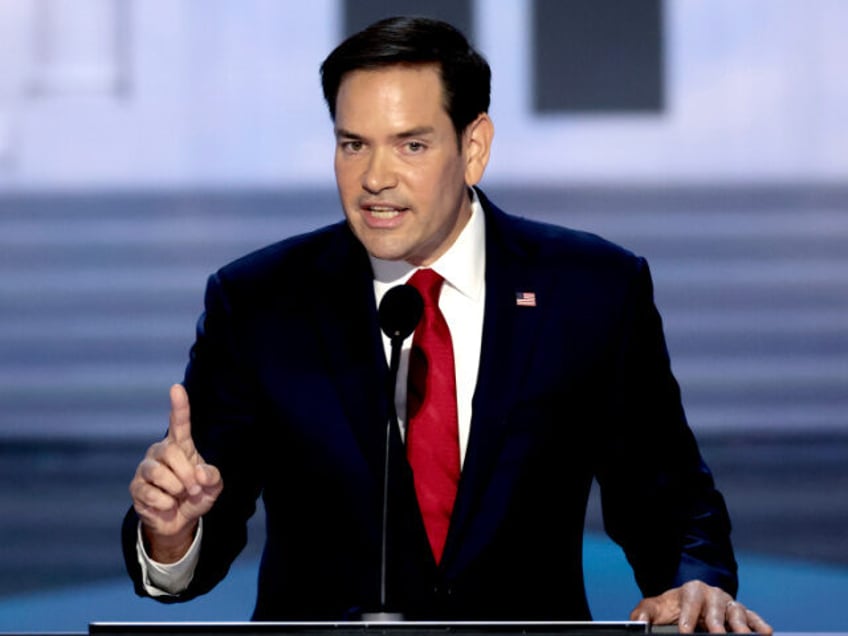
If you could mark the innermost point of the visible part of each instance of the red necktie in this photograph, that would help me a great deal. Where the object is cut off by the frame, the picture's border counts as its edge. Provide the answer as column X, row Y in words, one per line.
column 432, row 438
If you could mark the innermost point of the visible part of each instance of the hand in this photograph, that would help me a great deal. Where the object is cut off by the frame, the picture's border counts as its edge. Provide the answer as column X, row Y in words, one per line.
column 173, row 487
column 697, row 604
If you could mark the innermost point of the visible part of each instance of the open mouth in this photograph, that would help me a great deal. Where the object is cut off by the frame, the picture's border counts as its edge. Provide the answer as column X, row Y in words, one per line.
column 383, row 211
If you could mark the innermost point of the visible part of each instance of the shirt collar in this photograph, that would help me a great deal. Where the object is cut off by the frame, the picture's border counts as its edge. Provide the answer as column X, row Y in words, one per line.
column 463, row 265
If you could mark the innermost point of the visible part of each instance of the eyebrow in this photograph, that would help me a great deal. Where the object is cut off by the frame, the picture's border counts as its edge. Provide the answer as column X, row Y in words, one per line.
column 341, row 132
column 420, row 131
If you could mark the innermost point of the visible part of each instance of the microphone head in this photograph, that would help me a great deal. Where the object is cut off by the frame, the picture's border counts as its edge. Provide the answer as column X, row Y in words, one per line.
column 400, row 310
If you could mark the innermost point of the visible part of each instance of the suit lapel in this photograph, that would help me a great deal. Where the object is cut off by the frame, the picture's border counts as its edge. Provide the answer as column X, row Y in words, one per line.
column 354, row 353
column 509, row 336
column 346, row 320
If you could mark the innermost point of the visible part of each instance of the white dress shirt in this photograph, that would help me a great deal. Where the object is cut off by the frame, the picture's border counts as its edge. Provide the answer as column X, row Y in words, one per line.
column 462, row 302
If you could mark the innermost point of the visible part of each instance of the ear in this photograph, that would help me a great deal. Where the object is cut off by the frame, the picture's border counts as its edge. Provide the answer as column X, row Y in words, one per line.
column 476, row 145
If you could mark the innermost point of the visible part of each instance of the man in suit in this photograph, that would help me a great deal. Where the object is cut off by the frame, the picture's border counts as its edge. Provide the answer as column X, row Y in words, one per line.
column 558, row 375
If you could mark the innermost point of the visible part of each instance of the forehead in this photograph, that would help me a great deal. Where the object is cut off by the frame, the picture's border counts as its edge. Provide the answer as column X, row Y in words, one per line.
column 393, row 89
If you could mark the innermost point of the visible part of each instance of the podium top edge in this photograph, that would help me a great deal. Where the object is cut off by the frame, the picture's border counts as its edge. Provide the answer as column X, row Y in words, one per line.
column 349, row 627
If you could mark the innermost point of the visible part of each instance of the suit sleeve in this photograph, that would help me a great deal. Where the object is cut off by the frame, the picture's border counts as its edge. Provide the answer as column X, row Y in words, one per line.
column 221, row 390
column 658, row 496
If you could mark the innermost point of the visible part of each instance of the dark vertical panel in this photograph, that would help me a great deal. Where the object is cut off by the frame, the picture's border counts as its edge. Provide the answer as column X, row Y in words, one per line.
column 598, row 55
column 360, row 13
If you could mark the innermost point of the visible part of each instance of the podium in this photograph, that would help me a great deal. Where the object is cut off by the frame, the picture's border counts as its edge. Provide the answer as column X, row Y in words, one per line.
column 405, row 628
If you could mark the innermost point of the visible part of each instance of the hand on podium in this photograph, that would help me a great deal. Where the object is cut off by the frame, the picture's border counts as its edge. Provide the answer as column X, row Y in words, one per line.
column 698, row 605
column 173, row 487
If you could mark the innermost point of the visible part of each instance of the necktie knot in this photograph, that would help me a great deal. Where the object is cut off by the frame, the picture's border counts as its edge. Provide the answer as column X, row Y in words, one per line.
column 429, row 285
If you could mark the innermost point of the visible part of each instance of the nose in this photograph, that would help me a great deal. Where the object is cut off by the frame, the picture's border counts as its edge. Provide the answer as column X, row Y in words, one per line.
column 379, row 174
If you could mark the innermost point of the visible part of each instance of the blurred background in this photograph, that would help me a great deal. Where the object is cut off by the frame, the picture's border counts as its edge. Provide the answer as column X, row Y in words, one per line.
column 143, row 144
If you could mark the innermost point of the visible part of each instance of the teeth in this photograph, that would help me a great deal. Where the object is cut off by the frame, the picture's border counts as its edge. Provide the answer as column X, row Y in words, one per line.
column 383, row 212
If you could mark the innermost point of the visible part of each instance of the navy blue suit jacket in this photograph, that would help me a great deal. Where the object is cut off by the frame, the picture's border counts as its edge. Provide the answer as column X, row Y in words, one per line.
column 287, row 386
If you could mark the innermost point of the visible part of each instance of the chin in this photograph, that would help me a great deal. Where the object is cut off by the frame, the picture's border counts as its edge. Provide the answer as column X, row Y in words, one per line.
column 386, row 255
column 382, row 250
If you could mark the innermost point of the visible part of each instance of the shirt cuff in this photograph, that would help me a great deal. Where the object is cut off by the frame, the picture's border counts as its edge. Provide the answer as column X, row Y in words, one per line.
column 168, row 579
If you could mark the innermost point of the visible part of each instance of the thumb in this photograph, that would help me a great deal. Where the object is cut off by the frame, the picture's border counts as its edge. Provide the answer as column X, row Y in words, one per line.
column 179, row 423
column 647, row 611
column 640, row 615
column 657, row 610
column 207, row 476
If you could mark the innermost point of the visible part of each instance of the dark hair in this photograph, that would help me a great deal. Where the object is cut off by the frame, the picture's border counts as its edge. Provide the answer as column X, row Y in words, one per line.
column 465, row 74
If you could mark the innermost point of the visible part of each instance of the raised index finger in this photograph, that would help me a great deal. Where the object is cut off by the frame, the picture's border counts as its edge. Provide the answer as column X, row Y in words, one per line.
column 179, row 424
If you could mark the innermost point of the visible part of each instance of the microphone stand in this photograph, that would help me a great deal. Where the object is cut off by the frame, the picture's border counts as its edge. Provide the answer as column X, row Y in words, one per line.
column 399, row 312
column 384, row 616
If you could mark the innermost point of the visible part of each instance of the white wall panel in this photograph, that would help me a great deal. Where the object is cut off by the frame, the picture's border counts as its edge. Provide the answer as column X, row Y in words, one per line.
column 227, row 94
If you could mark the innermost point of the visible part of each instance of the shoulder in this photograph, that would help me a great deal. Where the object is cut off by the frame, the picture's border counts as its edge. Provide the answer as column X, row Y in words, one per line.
column 299, row 259
column 301, row 247
column 549, row 246
column 290, row 273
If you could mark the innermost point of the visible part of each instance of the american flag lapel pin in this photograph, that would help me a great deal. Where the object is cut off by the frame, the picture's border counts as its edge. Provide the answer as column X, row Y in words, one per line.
column 525, row 299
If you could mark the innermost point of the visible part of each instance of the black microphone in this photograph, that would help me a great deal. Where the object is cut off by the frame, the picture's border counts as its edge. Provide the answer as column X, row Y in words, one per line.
column 400, row 311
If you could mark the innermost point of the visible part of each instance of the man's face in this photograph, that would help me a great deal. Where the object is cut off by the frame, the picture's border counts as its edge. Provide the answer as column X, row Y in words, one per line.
column 401, row 177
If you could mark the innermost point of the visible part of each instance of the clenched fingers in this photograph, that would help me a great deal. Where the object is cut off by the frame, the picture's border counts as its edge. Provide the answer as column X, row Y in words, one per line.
column 172, row 457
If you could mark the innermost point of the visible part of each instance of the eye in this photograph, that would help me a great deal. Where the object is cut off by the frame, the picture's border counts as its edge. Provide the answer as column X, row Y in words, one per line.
column 352, row 146
column 415, row 147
